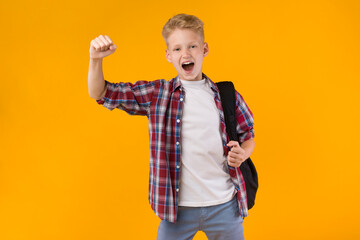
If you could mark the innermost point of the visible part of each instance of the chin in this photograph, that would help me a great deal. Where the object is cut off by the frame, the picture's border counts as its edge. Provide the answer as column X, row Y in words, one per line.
column 191, row 77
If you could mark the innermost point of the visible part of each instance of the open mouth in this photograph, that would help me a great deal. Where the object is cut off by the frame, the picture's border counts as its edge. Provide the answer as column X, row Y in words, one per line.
column 188, row 67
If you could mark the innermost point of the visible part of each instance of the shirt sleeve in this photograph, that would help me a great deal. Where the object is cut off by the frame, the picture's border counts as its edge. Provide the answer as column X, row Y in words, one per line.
column 245, row 119
column 133, row 98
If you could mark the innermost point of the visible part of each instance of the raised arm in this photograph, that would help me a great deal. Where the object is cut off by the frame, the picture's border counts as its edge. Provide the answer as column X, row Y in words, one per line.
column 100, row 47
column 134, row 98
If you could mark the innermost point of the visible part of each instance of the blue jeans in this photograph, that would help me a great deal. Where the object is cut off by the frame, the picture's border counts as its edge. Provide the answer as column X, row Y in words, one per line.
column 221, row 221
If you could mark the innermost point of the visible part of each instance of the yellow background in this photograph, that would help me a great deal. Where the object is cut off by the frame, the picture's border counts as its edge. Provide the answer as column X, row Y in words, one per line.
column 71, row 169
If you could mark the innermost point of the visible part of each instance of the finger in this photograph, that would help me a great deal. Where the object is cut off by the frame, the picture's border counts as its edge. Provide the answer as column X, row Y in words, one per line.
column 231, row 163
column 104, row 43
column 108, row 39
column 233, row 154
column 100, row 44
column 93, row 43
column 235, row 150
column 233, row 160
column 233, row 144
column 238, row 149
column 234, row 164
column 112, row 46
column 237, row 159
column 96, row 45
column 107, row 43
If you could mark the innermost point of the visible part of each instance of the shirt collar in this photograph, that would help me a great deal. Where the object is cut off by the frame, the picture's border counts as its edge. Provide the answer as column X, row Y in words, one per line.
column 177, row 83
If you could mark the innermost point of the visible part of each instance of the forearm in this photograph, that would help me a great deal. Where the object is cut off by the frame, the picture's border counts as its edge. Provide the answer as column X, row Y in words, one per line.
column 96, row 82
column 248, row 146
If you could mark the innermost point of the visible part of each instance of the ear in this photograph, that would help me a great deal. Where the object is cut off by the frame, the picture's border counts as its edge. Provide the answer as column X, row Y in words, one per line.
column 206, row 49
column 168, row 57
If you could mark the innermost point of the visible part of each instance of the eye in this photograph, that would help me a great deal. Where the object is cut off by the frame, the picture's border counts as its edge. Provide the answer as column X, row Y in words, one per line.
column 193, row 46
column 176, row 49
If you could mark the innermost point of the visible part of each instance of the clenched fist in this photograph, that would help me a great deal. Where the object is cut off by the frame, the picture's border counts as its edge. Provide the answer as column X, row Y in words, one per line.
column 101, row 47
column 237, row 155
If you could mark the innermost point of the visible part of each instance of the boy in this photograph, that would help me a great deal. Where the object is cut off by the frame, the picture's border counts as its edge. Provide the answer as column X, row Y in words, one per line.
column 194, row 181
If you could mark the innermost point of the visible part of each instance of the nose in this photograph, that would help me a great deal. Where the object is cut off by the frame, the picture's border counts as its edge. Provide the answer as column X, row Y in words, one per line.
column 186, row 52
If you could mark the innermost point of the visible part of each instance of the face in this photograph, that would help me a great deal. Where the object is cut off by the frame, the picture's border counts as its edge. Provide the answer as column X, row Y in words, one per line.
column 185, row 46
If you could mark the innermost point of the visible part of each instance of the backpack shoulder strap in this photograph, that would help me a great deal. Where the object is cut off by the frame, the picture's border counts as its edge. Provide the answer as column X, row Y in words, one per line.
column 247, row 168
column 228, row 102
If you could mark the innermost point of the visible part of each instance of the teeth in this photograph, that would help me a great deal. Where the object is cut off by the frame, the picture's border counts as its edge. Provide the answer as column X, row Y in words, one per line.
column 187, row 63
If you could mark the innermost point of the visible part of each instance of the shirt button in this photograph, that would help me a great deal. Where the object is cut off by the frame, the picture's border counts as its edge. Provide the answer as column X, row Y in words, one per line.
column 177, row 190
column 177, row 143
column 178, row 166
column 178, row 120
column 181, row 99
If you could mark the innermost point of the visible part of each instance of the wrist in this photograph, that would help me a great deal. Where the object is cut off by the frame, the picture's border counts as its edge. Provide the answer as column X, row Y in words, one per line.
column 96, row 60
column 248, row 147
column 247, row 153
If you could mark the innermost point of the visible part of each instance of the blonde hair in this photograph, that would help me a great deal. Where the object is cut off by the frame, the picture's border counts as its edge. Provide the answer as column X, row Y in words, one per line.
column 183, row 21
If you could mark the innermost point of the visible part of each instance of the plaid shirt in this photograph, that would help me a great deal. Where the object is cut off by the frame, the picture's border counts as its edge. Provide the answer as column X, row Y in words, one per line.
column 162, row 102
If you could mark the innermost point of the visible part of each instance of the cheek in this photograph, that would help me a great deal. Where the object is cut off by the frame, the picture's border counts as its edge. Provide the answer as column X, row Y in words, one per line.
column 176, row 58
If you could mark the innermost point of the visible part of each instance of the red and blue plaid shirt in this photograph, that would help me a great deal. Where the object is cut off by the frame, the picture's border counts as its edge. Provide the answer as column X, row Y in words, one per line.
column 162, row 102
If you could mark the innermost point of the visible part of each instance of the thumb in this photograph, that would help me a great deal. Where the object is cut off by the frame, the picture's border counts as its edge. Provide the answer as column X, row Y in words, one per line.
column 112, row 47
column 231, row 143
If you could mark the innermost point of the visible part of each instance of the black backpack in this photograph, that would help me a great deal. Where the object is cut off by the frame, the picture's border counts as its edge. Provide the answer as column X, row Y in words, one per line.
column 247, row 168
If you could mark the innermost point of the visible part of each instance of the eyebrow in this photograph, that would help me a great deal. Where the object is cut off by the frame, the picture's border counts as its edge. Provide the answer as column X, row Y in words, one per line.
column 192, row 42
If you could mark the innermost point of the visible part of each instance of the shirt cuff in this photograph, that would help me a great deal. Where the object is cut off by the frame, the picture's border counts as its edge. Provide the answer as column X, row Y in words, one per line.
column 249, row 134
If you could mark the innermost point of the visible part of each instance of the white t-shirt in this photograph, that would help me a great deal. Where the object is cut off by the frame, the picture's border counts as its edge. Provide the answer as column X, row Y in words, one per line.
column 204, row 177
